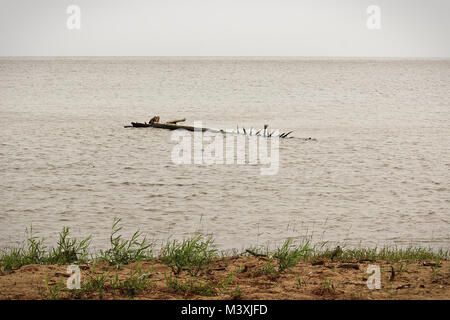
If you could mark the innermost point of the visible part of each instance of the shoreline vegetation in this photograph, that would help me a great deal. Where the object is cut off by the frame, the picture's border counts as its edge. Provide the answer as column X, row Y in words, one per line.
column 194, row 269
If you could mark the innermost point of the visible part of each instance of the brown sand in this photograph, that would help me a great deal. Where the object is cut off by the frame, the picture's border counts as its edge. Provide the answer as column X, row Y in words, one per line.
column 329, row 280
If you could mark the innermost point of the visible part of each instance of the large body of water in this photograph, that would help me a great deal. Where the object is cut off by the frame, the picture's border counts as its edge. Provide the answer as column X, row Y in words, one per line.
column 377, row 174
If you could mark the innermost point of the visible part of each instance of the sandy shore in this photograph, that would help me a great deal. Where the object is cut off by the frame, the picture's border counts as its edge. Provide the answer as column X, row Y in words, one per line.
column 239, row 277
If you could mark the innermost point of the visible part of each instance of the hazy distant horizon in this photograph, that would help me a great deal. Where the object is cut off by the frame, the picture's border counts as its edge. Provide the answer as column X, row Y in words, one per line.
column 217, row 28
column 228, row 58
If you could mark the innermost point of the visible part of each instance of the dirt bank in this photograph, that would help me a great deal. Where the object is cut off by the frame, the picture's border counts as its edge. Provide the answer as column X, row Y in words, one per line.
column 240, row 277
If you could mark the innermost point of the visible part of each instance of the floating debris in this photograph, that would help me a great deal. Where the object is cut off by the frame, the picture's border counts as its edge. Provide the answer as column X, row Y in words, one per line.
column 173, row 125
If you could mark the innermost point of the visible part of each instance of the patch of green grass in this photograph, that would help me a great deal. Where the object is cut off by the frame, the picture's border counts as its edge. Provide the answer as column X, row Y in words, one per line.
column 300, row 283
column 288, row 255
column 224, row 284
column 411, row 254
column 268, row 267
column 403, row 268
column 101, row 283
column 193, row 254
column 196, row 254
column 68, row 250
column 11, row 259
column 190, row 286
column 285, row 257
column 126, row 251
column 388, row 254
column 54, row 292
column 435, row 272
column 241, row 269
column 133, row 285
column 237, row 293
column 95, row 283
column 346, row 254
column 35, row 252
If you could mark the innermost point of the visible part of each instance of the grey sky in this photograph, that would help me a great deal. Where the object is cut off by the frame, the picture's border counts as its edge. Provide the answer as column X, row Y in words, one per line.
column 225, row 28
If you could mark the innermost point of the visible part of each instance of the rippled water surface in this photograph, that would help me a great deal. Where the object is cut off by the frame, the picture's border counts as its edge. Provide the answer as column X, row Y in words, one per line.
column 378, row 173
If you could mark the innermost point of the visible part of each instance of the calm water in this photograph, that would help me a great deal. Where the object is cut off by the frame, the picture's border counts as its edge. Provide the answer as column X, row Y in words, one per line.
column 378, row 173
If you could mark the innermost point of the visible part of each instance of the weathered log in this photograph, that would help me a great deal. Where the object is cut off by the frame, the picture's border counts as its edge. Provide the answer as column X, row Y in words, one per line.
column 176, row 121
column 172, row 125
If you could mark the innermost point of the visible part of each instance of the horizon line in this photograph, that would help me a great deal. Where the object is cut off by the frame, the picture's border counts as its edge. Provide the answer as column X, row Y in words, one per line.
column 231, row 57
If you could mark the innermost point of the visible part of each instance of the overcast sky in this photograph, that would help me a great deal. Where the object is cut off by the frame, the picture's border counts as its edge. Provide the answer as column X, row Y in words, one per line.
column 333, row 28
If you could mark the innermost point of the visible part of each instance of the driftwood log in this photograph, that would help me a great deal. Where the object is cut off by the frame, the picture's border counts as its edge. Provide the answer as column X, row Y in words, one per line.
column 176, row 121
column 173, row 125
